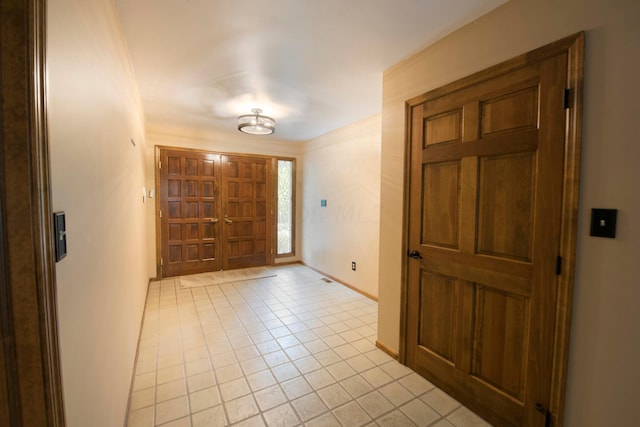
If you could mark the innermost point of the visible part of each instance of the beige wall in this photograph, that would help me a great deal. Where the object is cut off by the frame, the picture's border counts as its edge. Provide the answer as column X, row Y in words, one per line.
column 97, row 178
column 605, row 346
column 343, row 167
column 232, row 142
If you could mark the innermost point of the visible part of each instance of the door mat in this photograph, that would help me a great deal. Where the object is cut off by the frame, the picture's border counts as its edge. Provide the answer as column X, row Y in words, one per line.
column 226, row 276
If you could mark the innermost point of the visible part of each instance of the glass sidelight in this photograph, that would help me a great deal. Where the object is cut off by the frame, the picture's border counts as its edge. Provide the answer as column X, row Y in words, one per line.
column 285, row 207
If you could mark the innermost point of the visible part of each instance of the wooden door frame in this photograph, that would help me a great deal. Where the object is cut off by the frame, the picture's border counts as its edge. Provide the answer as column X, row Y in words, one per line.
column 32, row 385
column 274, row 196
column 573, row 46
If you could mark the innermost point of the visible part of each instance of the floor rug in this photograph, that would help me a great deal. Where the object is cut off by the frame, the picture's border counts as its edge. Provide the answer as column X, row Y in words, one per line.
column 226, row 276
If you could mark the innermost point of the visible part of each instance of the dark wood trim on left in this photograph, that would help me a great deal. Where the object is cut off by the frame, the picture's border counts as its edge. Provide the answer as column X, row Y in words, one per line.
column 32, row 384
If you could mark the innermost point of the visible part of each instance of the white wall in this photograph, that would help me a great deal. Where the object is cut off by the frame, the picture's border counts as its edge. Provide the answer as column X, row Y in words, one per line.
column 605, row 345
column 343, row 167
column 230, row 142
column 97, row 178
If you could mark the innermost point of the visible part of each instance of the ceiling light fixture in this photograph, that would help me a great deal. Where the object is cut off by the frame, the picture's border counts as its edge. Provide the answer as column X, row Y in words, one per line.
column 255, row 124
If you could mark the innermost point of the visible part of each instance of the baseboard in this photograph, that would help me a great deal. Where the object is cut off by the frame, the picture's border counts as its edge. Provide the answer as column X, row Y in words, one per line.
column 387, row 350
column 135, row 359
column 353, row 288
column 293, row 262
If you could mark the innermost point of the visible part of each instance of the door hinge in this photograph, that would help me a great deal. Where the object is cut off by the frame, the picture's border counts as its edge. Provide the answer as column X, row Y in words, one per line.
column 160, row 213
column 159, row 164
column 558, row 265
column 545, row 412
column 161, row 262
column 566, row 99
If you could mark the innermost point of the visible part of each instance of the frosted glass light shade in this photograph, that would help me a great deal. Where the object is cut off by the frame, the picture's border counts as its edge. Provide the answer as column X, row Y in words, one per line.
column 256, row 124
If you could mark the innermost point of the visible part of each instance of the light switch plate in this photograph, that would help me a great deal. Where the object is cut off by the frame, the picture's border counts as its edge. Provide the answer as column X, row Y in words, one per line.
column 603, row 222
column 60, row 235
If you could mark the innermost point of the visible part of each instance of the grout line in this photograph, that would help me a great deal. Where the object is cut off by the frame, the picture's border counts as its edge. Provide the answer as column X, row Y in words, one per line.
column 310, row 311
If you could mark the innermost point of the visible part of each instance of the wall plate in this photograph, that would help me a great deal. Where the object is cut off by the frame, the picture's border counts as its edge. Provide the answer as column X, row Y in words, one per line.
column 603, row 222
column 60, row 235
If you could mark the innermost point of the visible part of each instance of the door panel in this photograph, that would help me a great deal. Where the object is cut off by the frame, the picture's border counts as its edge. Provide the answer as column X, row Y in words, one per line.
column 486, row 176
column 246, row 232
column 440, row 222
column 505, row 217
column 190, row 209
column 500, row 329
column 437, row 325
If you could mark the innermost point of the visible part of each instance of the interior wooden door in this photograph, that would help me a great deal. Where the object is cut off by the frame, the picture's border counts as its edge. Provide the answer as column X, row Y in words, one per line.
column 485, row 219
column 190, row 212
column 246, row 186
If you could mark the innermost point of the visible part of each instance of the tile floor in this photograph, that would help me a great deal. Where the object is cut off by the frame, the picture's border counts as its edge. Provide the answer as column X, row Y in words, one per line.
column 289, row 350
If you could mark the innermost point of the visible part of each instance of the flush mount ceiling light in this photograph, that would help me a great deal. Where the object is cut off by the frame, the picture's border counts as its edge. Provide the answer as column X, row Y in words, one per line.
column 255, row 124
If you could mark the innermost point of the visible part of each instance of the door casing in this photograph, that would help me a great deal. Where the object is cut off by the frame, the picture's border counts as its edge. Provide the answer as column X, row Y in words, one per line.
column 573, row 46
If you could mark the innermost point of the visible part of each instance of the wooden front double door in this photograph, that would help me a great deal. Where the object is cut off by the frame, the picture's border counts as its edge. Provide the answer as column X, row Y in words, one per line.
column 492, row 217
column 215, row 211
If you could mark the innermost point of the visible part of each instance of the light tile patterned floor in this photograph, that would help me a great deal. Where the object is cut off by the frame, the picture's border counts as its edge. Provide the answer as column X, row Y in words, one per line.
column 290, row 350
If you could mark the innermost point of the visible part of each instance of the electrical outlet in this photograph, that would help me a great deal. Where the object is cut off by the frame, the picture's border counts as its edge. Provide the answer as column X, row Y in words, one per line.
column 353, row 265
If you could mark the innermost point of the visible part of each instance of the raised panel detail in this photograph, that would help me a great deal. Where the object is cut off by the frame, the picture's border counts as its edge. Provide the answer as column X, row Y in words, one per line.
column 246, row 189
column 174, row 188
column 208, row 188
column 208, row 168
column 175, row 232
column 436, row 321
column 445, row 127
column 261, row 172
column 208, row 231
column 175, row 254
column 232, row 169
column 233, row 230
column 516, row 110
column 192, row 253
column 233, row 249
column 208, row 251
column 260, row 247
column 501, row 340
column 441, row 204
column 208, row 209
column 260, row 228
column 173, row 166
column 247, row 209
column 191, row 209
column 505, row 205
column 233, row 209
column 246, row 229
column 246, row 248
column 191, row 231
column 246, row 170
column 261, row 190
column 191, row 167
column 175, row 210
column 191, row 188
column 233, row 189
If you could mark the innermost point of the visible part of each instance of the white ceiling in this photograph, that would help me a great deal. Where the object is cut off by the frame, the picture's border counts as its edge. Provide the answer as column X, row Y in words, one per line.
column 313, row 65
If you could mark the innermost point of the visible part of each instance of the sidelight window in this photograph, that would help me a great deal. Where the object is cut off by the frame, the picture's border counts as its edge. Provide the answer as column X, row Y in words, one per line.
column 285, row 206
